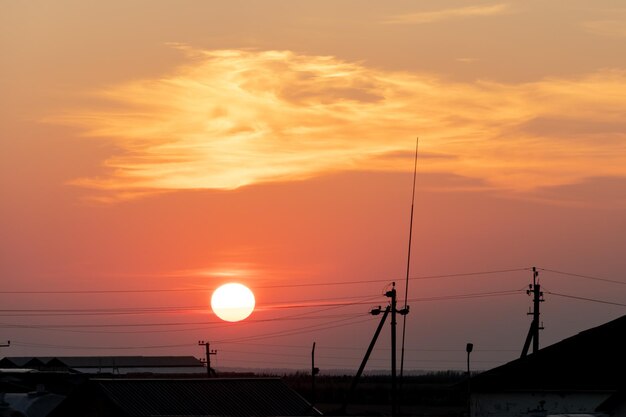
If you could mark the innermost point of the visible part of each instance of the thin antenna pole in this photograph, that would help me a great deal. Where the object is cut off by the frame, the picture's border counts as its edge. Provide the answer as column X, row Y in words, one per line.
column 314, row 371
column 408, row 261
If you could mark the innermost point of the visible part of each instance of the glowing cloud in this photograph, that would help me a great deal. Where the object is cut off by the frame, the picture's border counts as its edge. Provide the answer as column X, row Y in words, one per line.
column 231, row 118
column 447, row 14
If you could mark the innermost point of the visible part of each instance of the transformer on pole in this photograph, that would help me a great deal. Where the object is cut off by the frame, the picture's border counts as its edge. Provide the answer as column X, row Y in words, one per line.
column 535, row 326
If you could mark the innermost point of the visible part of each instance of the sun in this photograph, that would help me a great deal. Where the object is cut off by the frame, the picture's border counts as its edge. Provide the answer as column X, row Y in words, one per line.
column 232, row 302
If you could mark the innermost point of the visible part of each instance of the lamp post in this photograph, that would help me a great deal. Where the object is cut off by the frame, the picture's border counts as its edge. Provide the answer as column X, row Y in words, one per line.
column 314, row 371
column 468, row 348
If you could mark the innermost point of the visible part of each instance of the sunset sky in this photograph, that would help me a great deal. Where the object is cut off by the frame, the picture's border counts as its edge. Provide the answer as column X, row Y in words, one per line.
column 151, row 150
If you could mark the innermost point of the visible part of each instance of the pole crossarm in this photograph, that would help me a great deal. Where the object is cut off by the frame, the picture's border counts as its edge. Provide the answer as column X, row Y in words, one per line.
column 209, row 352
column 535, row 326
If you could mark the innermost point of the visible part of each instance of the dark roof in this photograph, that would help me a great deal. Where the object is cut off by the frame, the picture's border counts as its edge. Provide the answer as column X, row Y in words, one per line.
column 129, row 361
column 14, row 362
column 594, row 359
column 194, row 397
column 23, row 362
column 104, row 361
column 56, row 382
column 611, row 404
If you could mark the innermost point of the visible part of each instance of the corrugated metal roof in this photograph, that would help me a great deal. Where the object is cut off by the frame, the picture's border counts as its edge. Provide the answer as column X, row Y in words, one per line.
column 105, row 361
column 129, row 361
column 205, row 397
column 14, row 362
column 23, row 361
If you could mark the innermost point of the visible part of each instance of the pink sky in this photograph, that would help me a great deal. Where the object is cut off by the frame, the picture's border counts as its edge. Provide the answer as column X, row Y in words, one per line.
column 159, row 146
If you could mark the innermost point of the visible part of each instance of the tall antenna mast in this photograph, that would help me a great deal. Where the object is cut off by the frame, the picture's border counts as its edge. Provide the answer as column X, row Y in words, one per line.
column 408, row 261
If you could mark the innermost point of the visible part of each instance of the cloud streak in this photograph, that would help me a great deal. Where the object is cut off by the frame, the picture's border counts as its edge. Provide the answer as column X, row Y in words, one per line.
column 448, row 14
column 232, row 118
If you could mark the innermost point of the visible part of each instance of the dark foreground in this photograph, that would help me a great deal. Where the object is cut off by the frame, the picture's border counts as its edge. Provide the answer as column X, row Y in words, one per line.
column 435, row 394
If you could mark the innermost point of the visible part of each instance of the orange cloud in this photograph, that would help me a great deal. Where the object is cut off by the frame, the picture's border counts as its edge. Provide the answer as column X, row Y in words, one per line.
column 231, row 118
column 447, row 14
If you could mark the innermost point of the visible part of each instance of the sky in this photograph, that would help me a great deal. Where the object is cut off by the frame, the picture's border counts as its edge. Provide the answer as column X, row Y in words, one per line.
column 153, row 150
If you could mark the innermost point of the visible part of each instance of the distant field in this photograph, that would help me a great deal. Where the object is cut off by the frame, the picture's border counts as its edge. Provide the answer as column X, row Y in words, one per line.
column 434, row 394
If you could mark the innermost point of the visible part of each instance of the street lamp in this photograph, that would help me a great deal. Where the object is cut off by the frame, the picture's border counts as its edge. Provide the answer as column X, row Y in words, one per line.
column 468, row 348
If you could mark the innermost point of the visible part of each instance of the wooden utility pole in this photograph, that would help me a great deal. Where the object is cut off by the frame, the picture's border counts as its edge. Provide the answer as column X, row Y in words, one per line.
column 391, row 308
column 209, row 371
column 394, row 392
column 394, row 395
column 533, row 332
column 355, row 380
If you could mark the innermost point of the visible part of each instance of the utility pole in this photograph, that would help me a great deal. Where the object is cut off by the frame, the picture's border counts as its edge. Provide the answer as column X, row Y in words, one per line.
column 394, row 393
column 209, row 371
column 391, row 308
column 314, row 371
column 394, row 405
column 355, row 380
column 533, row 332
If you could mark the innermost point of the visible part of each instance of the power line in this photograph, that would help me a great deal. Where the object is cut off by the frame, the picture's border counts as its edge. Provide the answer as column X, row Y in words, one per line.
column 178, row 309
column 44, row 345
column 613, row 281
column 301, row 330
column 360, row 348
column 229, row 351
column 210, row 324
column 149, row 310
column 302, row 316
column 232, row 362
column 586, row 299
column 306, row 329
column 195, row 307
column 147, row 290
column 317, row 284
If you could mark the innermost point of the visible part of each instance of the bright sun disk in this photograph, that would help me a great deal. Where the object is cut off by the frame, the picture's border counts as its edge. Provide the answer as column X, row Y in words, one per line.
column 232, row 302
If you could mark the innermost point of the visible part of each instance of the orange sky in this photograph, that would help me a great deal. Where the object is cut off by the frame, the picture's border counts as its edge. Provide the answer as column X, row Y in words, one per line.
column 153, row 145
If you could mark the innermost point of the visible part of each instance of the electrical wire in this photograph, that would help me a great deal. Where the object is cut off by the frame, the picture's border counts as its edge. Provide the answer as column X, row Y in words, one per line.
column 309, row 303
column 208, row 324
column 306, row 365
column 355, row 358
column 306, row 329
column 301, row 330
column 613, row 281
column 360, row 349
column 229, row 351
column 317, row 284
column 152, row 310
column 45, row 345
column 585, row 299
column 64, row 328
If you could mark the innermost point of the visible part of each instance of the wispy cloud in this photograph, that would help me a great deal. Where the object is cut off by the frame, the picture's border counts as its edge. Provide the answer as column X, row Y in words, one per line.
column 447, row 14
column 233, row 118
column 615, row 28
column 467, row 60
